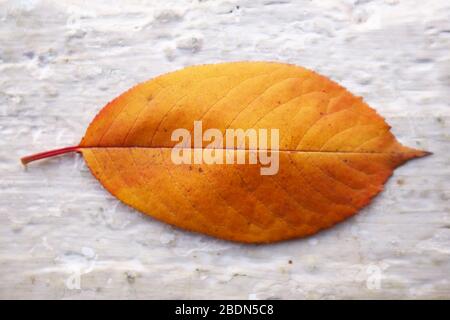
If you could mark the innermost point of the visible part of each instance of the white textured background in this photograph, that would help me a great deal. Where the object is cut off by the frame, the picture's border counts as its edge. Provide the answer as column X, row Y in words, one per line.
column 61, row 61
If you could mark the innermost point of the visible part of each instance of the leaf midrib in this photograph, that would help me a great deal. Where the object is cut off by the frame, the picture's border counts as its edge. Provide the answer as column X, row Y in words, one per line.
column 240, row 149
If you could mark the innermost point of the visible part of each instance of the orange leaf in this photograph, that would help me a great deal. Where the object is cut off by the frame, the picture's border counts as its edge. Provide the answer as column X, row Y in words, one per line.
column 335, row 152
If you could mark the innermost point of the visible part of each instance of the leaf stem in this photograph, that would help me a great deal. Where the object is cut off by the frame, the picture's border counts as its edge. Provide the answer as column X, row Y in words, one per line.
column 48, row 154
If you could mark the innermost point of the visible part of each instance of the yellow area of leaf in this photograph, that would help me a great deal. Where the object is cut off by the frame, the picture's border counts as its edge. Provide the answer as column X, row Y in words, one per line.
column 335, row 151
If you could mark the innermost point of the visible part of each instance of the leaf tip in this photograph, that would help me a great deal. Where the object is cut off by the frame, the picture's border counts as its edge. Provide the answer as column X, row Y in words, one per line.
column 421, row 153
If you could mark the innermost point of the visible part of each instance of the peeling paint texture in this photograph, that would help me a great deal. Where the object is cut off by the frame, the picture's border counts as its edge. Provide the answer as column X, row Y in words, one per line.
column 64, row 237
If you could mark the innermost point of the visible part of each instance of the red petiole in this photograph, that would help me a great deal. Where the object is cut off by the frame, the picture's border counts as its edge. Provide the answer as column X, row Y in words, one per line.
column 48, row 154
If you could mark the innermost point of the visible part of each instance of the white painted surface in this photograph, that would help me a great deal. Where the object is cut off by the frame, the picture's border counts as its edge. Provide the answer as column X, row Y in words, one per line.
column 61, row 61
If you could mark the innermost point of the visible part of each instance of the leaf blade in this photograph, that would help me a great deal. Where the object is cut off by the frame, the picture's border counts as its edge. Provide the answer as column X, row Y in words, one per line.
column 336, row 152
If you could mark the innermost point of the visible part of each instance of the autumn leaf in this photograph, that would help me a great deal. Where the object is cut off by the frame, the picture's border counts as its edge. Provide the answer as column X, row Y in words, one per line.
column 335, row 152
